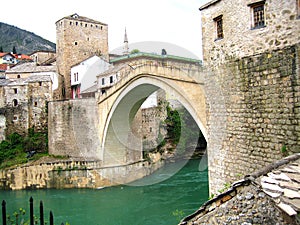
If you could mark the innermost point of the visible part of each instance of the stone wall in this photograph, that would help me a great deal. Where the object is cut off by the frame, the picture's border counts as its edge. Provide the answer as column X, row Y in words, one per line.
column 72, row 174
column 251, row 85
column 239, row 37
column 72, row 128
column 254, row 113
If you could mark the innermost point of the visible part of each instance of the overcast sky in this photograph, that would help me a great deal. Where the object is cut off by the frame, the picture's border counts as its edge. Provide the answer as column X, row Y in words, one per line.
column 174, row 21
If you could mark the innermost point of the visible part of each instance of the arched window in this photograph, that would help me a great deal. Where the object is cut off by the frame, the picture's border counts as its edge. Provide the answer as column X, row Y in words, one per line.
column 15, row 102
column 18, row 76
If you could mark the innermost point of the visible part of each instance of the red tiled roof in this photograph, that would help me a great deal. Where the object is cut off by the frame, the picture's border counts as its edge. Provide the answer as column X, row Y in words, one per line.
column 22, row 57
column 3, row 67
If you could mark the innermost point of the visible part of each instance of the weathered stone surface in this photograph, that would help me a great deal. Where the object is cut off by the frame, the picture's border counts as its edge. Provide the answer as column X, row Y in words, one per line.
column 291, row 194
column 288, row 209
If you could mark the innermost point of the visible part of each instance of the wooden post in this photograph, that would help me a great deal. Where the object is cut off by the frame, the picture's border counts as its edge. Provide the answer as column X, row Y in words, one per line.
column 51, row 218
column 31, row 211
column 41, row 213
column 3, row 212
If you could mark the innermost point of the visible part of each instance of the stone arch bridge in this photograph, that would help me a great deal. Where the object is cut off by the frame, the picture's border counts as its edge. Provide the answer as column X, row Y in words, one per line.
column 100, row 128
column 118, row 106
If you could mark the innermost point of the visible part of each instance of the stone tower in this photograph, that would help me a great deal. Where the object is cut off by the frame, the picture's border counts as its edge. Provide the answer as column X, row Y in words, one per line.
column 77, row 38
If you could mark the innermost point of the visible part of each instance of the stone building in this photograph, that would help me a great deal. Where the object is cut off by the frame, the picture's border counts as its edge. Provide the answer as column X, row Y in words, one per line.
column 77, row 38
column 24, row 97
column 43, row 57
column 25, row 101
column 251, row 58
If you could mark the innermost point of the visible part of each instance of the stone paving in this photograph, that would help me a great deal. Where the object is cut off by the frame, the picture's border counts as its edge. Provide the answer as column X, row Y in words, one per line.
column 270, row 196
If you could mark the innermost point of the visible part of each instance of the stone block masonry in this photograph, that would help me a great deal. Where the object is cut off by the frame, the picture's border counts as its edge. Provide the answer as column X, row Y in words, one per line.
column 73, row 128
column 256, row 115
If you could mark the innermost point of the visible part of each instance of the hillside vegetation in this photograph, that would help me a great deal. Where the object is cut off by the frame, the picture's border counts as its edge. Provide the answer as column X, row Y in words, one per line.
column 25, row 42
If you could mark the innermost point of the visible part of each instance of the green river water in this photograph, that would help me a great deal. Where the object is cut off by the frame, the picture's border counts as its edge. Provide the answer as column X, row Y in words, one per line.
column 160, row 203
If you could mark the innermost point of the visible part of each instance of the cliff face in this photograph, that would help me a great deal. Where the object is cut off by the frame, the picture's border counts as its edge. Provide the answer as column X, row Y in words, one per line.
column 25, row 42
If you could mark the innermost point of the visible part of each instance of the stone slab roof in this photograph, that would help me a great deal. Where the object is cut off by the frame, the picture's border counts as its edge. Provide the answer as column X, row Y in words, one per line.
column 24, row 81
column 269, row 196
column 113, row 69
column 91, row 89
column 31, row 67
column 75, row 16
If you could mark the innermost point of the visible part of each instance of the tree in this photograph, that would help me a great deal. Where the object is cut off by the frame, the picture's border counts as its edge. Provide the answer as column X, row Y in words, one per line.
column 134, row 51
column 14, row 50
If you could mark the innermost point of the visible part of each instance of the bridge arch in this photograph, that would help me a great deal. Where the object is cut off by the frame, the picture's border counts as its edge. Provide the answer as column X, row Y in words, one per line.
column 117, row 137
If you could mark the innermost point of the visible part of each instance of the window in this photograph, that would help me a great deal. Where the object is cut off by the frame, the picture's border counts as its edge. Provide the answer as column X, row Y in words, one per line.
column 258, row 14
column 18, row 76
column 15, row 118
column 219, row 26
column 111, row 79
column 15, row 102
column 35, row 104
column 103, row 81
column 75, row 43
column 15, row 90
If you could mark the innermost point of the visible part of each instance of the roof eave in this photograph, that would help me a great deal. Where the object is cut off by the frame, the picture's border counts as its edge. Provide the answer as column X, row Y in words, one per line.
column 209, row 4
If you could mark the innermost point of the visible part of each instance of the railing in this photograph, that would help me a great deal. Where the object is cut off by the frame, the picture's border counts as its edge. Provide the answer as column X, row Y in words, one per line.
column 7, row 221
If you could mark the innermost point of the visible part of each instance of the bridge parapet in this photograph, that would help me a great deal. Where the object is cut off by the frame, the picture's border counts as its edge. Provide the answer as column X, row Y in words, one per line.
column 192, row 74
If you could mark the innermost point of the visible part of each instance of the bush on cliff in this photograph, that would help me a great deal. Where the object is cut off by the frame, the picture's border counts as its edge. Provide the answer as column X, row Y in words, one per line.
column 14, row 150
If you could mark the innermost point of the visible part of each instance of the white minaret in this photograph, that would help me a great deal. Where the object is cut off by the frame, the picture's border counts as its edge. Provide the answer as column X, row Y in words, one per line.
column 126, row 48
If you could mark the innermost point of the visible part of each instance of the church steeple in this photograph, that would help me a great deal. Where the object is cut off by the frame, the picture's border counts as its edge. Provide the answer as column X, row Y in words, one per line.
column 126, row 48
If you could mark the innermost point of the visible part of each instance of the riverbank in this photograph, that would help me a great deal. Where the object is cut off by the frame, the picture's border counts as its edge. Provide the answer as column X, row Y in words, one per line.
column 163, row 203
column 57, row 173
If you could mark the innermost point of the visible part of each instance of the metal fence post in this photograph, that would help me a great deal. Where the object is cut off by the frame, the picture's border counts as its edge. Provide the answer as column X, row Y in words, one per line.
column 51, row 218
column 31, row 211
column 3, row 212
column 41, row 213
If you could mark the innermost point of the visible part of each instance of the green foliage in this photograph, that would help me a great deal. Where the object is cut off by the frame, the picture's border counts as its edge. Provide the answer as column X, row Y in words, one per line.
column 134, row 51
column 14, row 150
column 226, row 187
column 179, row 214
column 14, row 51
column 36, row 141
column 173, row 123
column 284, row 150
column 25, row 42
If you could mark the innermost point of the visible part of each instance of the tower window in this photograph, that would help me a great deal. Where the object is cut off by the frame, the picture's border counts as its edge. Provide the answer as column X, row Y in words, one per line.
column 15, row 90
column 76, row 23
column 111, row 79
column 86, row 25
column 219, row 27
column 15, row 102
column 18, row 76
column 258, row 14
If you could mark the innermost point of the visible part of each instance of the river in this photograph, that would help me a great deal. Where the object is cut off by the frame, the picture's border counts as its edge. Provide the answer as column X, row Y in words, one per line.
column 162, row 203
